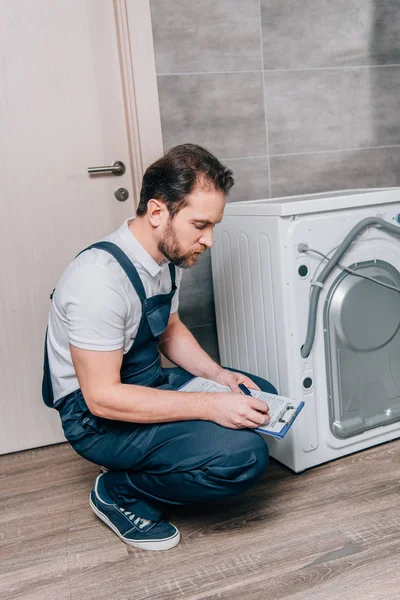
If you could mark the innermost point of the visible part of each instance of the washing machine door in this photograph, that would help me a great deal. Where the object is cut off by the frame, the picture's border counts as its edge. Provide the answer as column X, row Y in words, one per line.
column 362, row 349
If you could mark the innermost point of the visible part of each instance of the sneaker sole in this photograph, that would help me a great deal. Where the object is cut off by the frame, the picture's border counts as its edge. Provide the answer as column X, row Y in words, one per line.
column 165, row 544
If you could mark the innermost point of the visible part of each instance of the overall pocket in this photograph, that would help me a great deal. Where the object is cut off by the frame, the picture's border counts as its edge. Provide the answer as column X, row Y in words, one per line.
column 88, row 420
column 77, row 420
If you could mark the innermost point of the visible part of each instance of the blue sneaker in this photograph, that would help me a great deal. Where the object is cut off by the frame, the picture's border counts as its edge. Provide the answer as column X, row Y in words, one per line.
column 132, row 529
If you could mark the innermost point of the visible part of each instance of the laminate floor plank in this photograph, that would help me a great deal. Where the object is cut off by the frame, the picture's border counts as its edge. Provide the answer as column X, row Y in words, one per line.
column 330, row 533
column 36, row 569
column 360, row 575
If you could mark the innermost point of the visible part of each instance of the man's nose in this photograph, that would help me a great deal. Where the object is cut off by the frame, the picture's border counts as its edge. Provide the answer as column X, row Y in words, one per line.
column 207, row 239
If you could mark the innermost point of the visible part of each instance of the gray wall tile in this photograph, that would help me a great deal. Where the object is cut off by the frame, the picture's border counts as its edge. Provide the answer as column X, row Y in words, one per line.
column 328, row 34
column 211, row 35
column 332, row 109
column 207, row 338
column 315, row 34
column 196, row 298
column 223, row 112
column 251, row 178
column 323, row 171
column 385, row 32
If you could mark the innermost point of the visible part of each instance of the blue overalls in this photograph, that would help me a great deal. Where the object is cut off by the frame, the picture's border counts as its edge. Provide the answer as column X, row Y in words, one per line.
column 151, row 465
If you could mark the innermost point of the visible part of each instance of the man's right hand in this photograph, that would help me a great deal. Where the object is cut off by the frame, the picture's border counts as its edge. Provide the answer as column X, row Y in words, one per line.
column 237, row 411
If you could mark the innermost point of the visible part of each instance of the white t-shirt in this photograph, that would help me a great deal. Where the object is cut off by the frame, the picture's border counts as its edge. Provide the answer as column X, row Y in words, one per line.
column 95, row 306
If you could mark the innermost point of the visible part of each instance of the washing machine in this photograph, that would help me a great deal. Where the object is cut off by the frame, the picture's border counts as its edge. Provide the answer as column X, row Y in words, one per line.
column 307, row 295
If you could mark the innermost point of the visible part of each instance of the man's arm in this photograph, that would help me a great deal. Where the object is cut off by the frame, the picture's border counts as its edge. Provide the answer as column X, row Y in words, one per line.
column 179, row 345
column 99, row 379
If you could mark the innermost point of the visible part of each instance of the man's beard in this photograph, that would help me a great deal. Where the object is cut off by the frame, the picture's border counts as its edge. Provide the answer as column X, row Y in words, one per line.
column 171, row 249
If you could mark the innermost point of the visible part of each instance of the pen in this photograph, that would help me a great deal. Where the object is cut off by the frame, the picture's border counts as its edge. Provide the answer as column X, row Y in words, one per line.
column 244, row 389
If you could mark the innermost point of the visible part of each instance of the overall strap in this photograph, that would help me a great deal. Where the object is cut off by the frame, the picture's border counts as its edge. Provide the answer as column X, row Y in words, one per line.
column 47, row 386
column 172, row 272
column 125, row 264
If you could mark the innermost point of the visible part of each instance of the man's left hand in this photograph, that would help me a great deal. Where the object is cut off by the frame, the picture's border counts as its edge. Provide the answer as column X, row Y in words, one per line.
column 232, row 380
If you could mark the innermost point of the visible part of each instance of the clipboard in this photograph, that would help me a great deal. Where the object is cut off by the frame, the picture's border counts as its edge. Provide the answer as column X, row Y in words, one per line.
column 286, row 420
column 284, row 410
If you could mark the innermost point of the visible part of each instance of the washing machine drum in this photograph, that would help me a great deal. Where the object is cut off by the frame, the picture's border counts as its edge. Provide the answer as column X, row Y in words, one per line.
column 362, row 349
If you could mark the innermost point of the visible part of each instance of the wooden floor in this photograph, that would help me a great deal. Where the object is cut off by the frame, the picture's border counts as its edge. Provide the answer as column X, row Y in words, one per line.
column 331, row 533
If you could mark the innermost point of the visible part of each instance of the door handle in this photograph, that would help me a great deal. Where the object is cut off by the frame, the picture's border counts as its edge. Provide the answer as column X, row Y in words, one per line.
column 117, row 168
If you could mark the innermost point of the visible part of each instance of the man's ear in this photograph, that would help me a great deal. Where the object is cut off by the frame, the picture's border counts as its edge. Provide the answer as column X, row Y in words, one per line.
column 157, row 212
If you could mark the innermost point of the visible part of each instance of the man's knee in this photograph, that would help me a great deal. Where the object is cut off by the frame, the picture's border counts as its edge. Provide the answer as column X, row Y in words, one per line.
column 256, row 455
column 244, row 460
column 263, row 384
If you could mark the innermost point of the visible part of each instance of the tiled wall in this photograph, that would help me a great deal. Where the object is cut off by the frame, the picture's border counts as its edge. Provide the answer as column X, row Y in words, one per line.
column 295, row 96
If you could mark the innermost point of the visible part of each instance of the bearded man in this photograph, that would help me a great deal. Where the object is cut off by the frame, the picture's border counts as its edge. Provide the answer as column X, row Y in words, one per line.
column 113, row 310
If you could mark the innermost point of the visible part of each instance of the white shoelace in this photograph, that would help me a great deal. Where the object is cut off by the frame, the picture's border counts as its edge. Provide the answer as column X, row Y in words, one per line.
column 137, row 520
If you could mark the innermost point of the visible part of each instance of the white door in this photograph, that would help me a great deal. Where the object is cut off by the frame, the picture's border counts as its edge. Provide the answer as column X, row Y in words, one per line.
column 61, row 111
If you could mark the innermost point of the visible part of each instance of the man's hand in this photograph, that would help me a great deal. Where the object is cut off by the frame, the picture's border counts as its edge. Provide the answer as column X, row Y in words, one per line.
column 232, row 379
column 237, row 411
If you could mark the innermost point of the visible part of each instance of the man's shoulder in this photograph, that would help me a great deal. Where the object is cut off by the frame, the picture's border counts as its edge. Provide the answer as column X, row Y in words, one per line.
column 92, row 272
column 96, row 259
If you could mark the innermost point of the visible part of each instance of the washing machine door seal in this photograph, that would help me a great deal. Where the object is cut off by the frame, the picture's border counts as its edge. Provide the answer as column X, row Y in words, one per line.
column 362, row 349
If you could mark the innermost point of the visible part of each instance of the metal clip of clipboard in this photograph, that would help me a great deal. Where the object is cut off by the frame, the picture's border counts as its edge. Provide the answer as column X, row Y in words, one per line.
column 288, row 407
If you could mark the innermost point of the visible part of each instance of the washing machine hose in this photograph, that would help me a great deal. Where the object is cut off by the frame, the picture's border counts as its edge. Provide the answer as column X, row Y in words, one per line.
column 318, row 283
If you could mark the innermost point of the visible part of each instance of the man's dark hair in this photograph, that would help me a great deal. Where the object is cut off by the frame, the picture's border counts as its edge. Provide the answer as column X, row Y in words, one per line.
column 173, row 176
